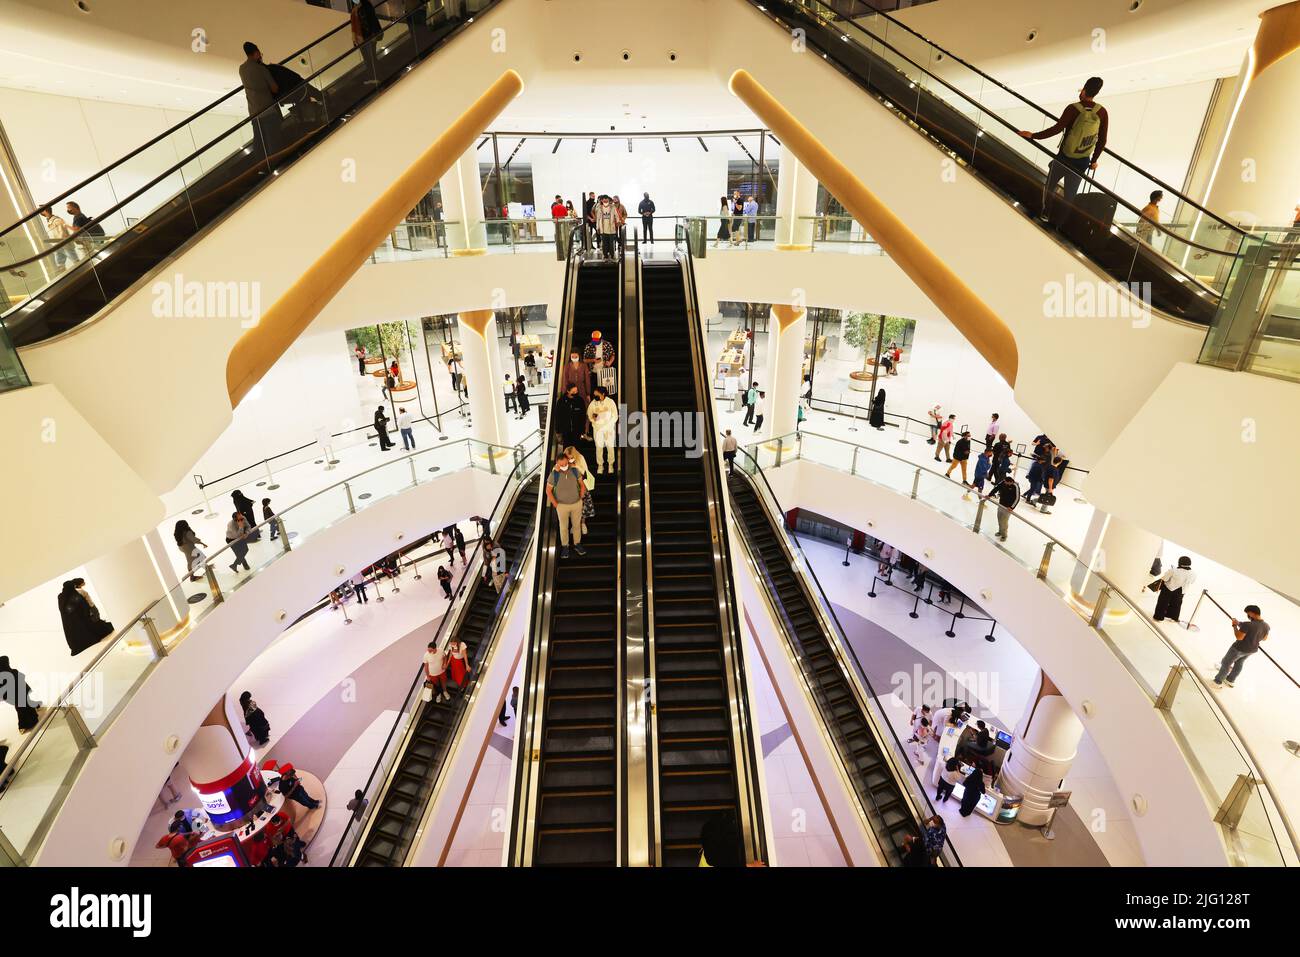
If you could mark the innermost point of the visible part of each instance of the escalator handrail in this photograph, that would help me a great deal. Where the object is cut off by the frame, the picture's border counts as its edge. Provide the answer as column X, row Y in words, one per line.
column 532, row 699
column 442, row 634
column 1048, row 115
column 32, row 217
column 729, row 618
column 192, row 157
column 822, row 604
column 1037, row 144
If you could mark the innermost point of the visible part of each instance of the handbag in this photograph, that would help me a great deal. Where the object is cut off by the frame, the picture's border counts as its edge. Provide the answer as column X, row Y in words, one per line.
column 426, row 693
column 1154, row 586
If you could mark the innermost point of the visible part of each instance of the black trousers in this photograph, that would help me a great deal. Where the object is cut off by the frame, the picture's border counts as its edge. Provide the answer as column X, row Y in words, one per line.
column 648, row 228
column 360, row 589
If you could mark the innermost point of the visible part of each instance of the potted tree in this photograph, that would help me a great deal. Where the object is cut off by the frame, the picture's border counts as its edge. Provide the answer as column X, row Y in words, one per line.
column 861, row 330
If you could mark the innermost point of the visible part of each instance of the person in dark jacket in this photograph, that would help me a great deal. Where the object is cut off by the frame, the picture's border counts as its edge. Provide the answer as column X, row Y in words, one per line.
column 14, row 691
column 521, row 396
column 974, row 785
column 877, row 418
column 960, row 455
column 255, row 718
column 647, row 210
column 245, row 506
column 914, row 853
column 365, row 30
column 458, row 538
column 381, row 429
column 570, row 416
column 82, row 625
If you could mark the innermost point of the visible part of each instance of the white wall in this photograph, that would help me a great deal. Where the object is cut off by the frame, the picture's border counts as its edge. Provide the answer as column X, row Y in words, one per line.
column 70, row 494
column 312, row 386
column 1199, row 464
column 679, row 183
column 130, row 762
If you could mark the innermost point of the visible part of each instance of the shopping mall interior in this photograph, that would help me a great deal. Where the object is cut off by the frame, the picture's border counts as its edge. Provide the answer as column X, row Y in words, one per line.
column 768, row 433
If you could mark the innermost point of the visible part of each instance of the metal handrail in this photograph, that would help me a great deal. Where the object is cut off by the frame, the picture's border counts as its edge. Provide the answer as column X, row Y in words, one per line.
column 1231, row 730
column 872, row 12
column 190, row 159
column 999, row 120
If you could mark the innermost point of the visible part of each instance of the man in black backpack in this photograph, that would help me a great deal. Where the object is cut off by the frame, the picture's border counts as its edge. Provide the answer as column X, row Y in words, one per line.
column 1085, row 125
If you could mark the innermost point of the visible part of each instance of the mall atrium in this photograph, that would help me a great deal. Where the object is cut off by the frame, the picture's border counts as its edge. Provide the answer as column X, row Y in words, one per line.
column 523, row 433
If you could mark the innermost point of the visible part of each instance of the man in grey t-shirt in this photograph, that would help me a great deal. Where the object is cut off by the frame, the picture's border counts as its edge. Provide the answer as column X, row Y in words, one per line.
column 1249, row 634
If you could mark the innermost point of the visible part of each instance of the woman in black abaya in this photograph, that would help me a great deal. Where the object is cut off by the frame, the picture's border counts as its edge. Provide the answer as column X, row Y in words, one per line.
column 82, row 626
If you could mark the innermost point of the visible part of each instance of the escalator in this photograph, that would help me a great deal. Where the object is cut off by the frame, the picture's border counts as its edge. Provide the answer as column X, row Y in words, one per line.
column 702, row 745
column 890, row 808
column 940, row 95
column 396, row 816
column 567, row 799
column 185, row 196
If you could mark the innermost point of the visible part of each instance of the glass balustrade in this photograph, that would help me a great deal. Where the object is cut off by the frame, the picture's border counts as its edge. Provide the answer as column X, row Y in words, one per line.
column 33, row 786
column 1255, row 827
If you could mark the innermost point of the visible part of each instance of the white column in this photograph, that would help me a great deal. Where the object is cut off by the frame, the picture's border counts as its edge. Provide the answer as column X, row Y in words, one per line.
column 1256, row 178
column 784, row 368
column 1122, row 552
column 796, row 195
column 486, row 377
column 462, row 206
column 1040, row 758
column 127, row 580
column 219, row 757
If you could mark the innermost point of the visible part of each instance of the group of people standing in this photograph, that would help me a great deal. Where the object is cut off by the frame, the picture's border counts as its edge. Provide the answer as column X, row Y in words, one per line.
column 737, row 219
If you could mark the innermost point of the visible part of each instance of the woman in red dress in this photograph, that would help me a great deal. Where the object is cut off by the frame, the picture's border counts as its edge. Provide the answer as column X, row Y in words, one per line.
column 458, row 663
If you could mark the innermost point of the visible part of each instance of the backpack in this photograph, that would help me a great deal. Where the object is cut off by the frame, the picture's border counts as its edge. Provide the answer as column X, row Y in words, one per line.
column 1082, row 135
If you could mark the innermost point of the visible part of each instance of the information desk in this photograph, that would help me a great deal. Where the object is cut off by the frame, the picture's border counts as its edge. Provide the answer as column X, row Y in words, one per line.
column 997, row 807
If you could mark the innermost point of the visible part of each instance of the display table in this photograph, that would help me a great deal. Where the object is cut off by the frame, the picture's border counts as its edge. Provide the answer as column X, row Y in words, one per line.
column 737, row 339
column 730, row 363
column 821, row 346
column 529, row 344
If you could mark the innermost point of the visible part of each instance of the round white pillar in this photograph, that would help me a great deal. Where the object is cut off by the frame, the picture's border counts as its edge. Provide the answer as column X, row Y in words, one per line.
column 221, row 766
column 784, row 368
column 796, row 196
column 482, row 361
column 462, row 207
column 1040, row 757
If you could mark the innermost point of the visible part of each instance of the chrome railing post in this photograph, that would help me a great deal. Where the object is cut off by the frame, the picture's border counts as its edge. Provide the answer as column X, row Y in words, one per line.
column 979, row 514
column 916, row 482
column 780, row 447
column 352, row 506
column 8, row 853
column 213, row 585
column 155, row 640
column 1045, row 560
column 1233, row 808
column 80, row 731
column 1099, row 608
column 492, row 459
column 1165, row 700
column 853, row 466
column 284, row 535
column 414, row 478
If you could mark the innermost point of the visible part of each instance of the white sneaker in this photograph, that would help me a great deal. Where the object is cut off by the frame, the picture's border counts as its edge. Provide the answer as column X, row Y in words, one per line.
column 1229, row 684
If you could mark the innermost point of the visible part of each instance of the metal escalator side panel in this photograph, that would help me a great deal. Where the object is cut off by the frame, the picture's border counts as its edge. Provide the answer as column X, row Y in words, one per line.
column 867, row 747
